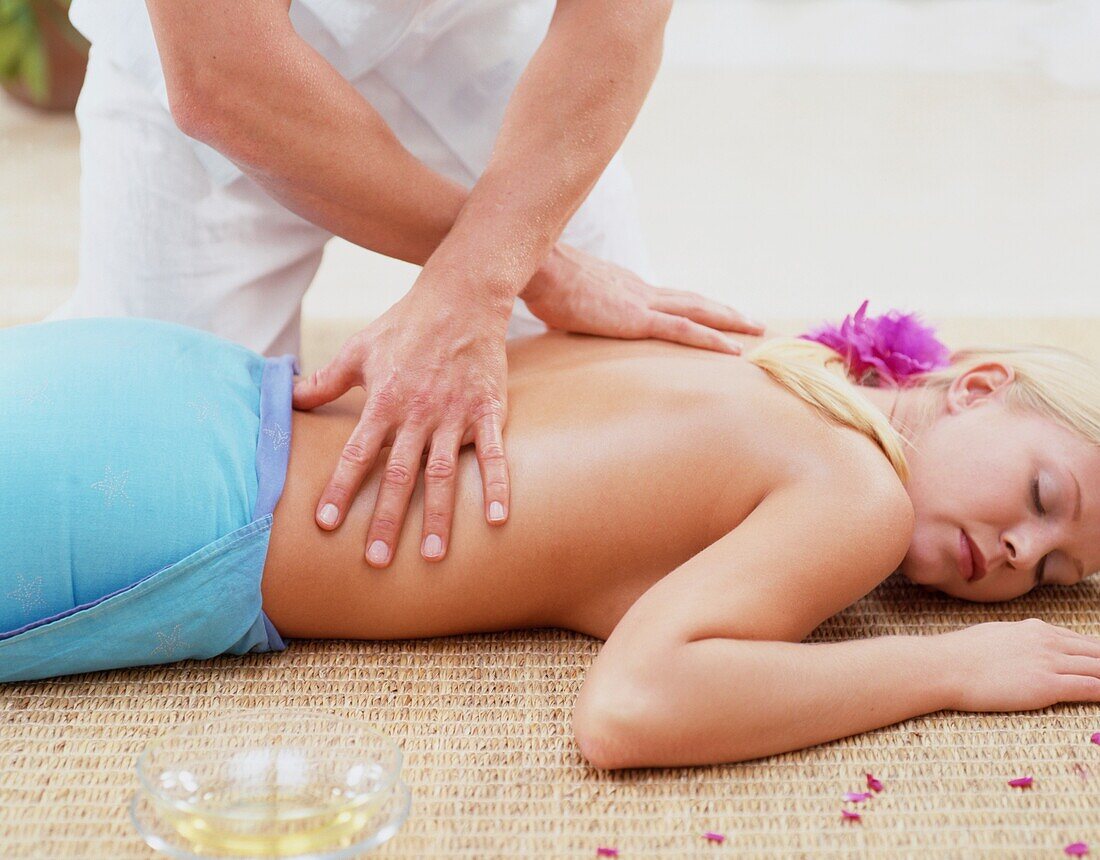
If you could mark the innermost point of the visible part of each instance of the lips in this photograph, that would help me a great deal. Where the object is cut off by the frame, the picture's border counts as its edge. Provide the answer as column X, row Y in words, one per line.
column 971, row 561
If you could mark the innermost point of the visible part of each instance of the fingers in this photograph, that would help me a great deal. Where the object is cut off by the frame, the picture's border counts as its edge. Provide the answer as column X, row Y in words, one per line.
column 1076, row 664
column 394, row 492
column 356, row 460
column 439, row 493
column 489, row 444
column 329, row 382
column 1079, row 688
column 704, row 311
column 682, row 330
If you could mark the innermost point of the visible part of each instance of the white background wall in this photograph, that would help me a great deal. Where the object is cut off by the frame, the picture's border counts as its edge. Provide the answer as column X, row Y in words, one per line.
column 793, row 158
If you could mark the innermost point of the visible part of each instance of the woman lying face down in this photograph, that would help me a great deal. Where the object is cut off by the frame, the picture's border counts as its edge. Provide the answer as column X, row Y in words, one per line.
column 1002, row 450
column 701, row 512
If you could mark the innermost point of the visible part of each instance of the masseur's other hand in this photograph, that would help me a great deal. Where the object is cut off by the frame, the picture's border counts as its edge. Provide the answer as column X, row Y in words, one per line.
column 434, row 373
column 577, row 292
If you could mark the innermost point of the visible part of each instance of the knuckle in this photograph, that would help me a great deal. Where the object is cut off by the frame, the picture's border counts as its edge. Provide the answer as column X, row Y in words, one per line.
column 497, row 487
column 491, row 452
column 440, row 468
column 383, row 400
column 397, row 473
column 437, row 522
column 356, row 453
column 488, row 407
column 420, row 405
column 384, row 524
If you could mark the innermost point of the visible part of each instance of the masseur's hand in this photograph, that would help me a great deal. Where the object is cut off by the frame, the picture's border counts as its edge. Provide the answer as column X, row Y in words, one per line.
column 577, row 292
column 434, row 371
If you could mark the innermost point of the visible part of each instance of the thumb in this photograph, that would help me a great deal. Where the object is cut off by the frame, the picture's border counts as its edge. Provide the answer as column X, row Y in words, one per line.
column 326, row 384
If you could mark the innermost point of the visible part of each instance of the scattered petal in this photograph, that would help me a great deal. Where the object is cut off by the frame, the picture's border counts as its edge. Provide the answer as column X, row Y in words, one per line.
column 848, row 815
column 1077, row 849
column 1081, row 770
column 607, row 852
column 714, row 837
column 857, row 796
column 873, row 783
column 1095, row 738
column 1022, row 781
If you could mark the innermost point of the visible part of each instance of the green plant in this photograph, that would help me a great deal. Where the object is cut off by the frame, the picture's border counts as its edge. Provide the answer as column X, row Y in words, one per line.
column 22, row 48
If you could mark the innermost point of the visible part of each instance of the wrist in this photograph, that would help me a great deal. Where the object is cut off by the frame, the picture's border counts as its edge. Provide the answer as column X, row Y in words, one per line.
column 943, row 668
column 462, row 294
column 547, row 277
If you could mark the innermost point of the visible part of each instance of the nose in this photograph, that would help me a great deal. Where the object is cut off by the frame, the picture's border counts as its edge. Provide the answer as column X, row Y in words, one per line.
column 1023, row 547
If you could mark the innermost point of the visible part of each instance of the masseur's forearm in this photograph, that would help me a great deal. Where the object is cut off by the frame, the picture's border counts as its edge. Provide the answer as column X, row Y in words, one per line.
column 568, row 115
column 726, row 700
column 243, row 81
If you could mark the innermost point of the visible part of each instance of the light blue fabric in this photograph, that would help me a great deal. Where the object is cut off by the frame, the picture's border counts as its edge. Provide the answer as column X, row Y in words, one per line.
column 134, row 454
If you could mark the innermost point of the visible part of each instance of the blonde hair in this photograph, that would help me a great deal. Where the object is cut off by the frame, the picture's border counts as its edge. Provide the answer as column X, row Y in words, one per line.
column 1051, row 382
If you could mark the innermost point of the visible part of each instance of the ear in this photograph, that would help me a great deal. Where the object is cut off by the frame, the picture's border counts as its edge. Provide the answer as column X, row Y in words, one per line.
column 981, row 384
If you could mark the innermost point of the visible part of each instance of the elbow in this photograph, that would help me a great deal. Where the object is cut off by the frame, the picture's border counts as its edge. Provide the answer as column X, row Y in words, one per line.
column 607, row 729
column 198, row 103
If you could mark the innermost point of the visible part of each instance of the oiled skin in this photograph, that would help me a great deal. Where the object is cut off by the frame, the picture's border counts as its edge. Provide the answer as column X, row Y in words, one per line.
column 627, row 458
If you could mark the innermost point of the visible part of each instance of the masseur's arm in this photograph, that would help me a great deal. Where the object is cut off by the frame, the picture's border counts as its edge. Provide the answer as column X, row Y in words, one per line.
column 242, row 80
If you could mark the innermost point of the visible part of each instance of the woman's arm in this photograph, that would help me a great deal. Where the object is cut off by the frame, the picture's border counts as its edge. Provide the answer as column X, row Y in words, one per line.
column 706, row 666
column 726, row 700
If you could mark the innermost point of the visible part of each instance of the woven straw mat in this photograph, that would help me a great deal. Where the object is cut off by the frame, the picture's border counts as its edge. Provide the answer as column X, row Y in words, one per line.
column 494, row 771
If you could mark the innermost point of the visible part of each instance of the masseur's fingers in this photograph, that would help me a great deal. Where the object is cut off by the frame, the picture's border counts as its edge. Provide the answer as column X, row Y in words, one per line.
column 682, row 330
column 356, row 460
column 489, row 443
column 332, row 380
column 398, row 482
column 439, row 492
column 704, row 311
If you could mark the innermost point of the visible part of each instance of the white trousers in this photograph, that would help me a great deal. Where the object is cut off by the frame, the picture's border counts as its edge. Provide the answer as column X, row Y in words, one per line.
column 159, row 238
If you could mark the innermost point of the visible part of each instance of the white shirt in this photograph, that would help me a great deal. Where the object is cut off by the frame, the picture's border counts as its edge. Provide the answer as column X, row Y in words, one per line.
column 454, row 62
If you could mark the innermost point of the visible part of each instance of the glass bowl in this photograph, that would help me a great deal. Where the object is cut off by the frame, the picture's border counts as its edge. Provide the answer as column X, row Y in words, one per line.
column 270, row 782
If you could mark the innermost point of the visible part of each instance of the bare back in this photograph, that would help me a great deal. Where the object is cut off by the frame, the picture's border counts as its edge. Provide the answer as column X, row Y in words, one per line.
column 627, row 458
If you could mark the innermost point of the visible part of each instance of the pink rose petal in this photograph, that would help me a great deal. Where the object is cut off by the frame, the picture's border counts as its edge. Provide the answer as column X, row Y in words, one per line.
column 1021, row 781
column 857, row 796
column 714, row 837
column 849, row 815
column 1095, row 738
column 1081, row 770
column 1077, row 849
column 607, row 852
column 873, row 783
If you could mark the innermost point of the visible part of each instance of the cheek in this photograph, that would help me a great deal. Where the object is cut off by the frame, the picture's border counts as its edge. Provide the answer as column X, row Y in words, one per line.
column 957, row 470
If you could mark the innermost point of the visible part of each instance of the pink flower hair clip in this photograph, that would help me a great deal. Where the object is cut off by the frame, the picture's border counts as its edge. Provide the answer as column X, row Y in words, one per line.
column 891, row 347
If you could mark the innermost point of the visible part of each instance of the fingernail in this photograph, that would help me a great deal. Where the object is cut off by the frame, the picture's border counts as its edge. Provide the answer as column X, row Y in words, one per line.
column 328, row 514
column 496, row 511
column 378, row 552
column 735, row 344
column 433, row 546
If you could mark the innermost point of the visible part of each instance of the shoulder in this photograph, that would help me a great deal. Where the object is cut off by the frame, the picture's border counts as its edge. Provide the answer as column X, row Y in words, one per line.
column 864, row 500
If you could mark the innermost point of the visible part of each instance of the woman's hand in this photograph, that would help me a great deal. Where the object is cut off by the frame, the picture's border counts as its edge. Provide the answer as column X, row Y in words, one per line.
column 1023, row 666
column 434, row 372
column 577, row 292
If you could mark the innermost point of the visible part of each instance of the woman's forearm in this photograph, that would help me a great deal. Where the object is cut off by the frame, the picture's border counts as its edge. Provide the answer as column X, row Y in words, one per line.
column 725, row 700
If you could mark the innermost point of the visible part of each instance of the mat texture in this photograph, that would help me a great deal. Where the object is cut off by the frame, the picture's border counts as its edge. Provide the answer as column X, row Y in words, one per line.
column 484, row 723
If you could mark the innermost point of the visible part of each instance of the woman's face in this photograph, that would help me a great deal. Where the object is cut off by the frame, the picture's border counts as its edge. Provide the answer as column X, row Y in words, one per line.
column 1023, row 491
